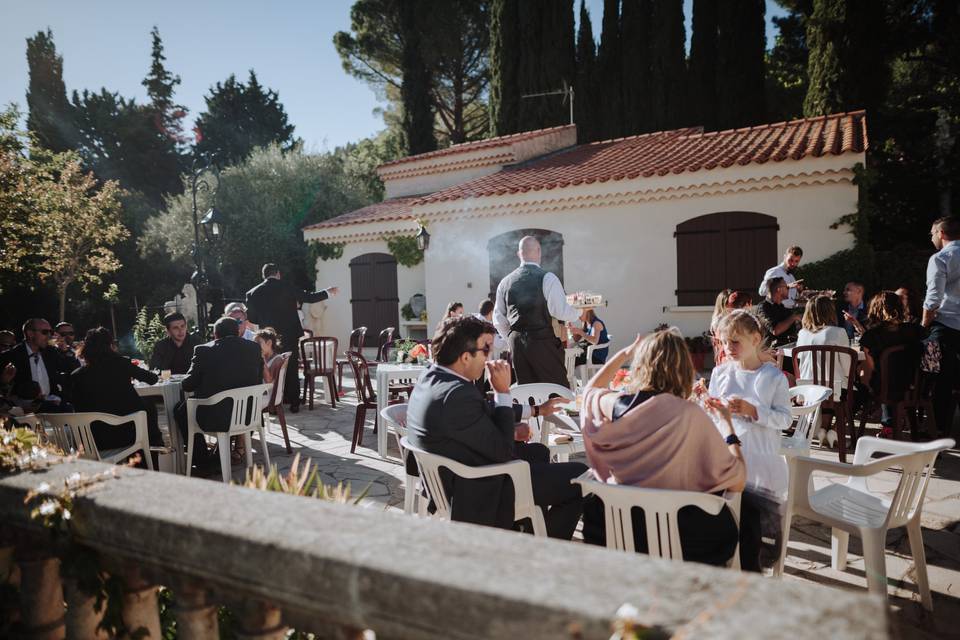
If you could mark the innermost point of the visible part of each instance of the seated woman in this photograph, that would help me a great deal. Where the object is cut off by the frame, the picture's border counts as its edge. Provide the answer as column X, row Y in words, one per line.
column 819, row 327
column 103, row 384
column 592, row 331
column 887, row 327
column 269, row 343
column 652, row 436
column 454, row 310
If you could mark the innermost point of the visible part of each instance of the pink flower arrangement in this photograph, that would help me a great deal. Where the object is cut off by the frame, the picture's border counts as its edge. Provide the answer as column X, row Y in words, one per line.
column 419, row 351
column 620, row 379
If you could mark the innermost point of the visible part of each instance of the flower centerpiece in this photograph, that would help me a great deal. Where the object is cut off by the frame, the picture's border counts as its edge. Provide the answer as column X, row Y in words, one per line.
column 620, row 379
column 404, row 349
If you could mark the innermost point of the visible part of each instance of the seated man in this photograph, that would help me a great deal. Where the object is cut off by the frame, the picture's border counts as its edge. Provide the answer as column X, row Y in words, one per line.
column 173, row 353
column 447, row 415
column 228, row 362
column 7, row 341
column 38, row 384
column 238, row 311
column 781, row 321
column 65, row 343
column 852, row 314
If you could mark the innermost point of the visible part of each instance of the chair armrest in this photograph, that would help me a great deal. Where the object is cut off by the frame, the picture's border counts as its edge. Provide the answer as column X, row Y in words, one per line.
column 802, row 468
column 868, row 446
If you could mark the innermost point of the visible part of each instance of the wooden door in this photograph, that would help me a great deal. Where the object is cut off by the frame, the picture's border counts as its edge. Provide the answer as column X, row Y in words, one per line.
column 373, row 292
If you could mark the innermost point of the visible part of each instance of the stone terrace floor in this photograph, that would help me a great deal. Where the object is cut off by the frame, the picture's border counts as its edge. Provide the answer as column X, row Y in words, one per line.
column 323, row 436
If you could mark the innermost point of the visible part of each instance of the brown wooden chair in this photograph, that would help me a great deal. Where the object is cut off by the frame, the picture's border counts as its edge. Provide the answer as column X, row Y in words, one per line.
column 368, row 399
column 275, row 405
column 826, row 368
column 384, row 341
column 355, row 345
column 909, row 396
column 317, row 364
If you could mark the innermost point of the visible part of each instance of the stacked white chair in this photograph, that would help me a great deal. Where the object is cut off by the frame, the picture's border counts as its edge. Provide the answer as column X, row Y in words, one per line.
column 518, row 470
column 72, row 431
column 246, row 417
column 852, row 507
column 395, row 419
column 538, row 393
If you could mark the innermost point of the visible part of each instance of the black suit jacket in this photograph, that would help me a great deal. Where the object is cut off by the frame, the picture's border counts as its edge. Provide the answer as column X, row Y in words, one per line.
column 448, row 416
column 227, row 363
column 105, row 387
column 23, row 385
column 274, row 303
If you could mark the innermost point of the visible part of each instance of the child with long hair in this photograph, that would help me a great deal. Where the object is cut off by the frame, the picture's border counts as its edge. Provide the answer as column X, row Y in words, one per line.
column 755, row 391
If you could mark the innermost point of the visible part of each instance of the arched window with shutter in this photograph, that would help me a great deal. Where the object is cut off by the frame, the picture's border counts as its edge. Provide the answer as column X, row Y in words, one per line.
column 725, row 250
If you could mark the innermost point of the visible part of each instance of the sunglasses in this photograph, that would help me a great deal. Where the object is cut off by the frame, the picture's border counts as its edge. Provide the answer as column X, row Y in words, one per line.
column 65, row 333
column 45, row 332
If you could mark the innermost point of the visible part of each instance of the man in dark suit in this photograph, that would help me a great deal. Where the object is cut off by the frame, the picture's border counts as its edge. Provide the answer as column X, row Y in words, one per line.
column 228, row 362
column 274, row 303
column 448, row 416
column 39, row 383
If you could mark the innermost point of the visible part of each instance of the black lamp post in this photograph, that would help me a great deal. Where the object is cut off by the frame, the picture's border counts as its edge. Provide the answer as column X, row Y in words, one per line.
column 423, row 238
column 204, row 179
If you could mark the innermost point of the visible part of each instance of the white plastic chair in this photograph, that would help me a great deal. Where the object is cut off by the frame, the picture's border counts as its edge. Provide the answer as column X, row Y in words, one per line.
column 587, row 370
column 242, row 423
column 538, row 393
column 518, row 470
column 853, row 508
column 72, row 431
column 660, row 507
column 395, row 419
column 32, row 422
column 806, row 419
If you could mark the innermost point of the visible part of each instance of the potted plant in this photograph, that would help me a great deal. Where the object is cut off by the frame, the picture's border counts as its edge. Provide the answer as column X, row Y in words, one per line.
column 699, row 347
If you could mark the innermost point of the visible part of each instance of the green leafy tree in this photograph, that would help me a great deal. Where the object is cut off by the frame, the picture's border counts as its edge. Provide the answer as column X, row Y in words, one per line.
column 161, row 86
column 239, row 118
column 505, row 48
column 587, row 104
column 416, row 82
column 49, row 118
column 610, row 69
column 786, row 77
column 741, row 49
column 668, row 67
column 702, row 84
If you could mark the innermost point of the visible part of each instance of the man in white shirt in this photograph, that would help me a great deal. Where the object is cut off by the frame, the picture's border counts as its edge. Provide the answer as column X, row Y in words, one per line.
column 38, row 382
column 238, row 311
column 941, row 314
column 527, row 299
column 791, row 260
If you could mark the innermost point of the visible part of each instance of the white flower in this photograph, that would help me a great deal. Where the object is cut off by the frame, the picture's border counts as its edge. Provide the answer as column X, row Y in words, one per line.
column 44, row 487
column 627, row 612
column 7, row 439
column 48, row 508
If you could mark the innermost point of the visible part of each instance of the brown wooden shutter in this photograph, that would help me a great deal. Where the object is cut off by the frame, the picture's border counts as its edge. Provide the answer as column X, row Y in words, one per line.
column 373, row 291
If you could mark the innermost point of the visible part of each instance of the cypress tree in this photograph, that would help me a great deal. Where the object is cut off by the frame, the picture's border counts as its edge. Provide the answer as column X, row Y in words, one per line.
column 635, row 18
column 547, row 61
column 50, row 116
column 504, row 72
column 165, row 119
column 609, row 72
column 741, row 48
column 702, row 74
column 415, row 87
column 668, row 65
column 585, row 104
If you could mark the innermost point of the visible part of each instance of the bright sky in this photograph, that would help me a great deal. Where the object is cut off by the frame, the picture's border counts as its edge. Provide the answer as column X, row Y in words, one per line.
column 106, row 43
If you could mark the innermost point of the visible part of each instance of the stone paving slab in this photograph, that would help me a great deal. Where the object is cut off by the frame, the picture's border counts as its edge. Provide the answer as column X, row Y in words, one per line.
column 323, row 435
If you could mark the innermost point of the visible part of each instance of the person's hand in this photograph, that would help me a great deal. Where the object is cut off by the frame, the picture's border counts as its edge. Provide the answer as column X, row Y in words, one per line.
column 551, row 406
column 333, row 290
column 498, row 372
column 796, row 284
column 521, row 432
column 699, row 387
column 718, row 408
column 8, row 373
column 740, row 407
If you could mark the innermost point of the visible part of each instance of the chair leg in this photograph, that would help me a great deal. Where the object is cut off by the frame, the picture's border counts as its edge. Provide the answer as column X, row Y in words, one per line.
column 875, row 560
column 147, row 457
column 313, row 390
column 306, row 383
column 282, row 419
column 787, row 519
column 334, row 390
column 843, row 420
column 839, row 540
column 248, row 445
column 263, row 445
column 190, row 439
column 899, row 415
column 223, row 444
column 339, row 377
column 358, row 427
column 408, row 495
column 920, row 562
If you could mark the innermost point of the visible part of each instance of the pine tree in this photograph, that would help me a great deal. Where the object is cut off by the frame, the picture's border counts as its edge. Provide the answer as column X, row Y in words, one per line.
column 702, row 74
column 585, row 88
column 50, row 118
column 160, row 85
column 668, row 66
column 610, row 72
column 415, row 86
column 742, row 46
column 504, row 62
column 635, row 20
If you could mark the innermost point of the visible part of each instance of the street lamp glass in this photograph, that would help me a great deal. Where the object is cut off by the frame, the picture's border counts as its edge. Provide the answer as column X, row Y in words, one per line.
column 423, row 239
column 213, row 224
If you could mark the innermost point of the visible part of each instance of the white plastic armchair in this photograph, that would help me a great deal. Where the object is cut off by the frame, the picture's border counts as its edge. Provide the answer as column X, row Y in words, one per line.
column 32, row 422
column 660, row 508
column 430, row 464
column 72, row 431
column 587, row 370
column 538, row 393
column 395, row 419
column 853, row 508
column 246, row 417
column 806, row 419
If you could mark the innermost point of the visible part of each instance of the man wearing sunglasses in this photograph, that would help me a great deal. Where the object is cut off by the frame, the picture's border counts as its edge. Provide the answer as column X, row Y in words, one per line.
column 39, row 383
column 447, row 415
column 65, row 342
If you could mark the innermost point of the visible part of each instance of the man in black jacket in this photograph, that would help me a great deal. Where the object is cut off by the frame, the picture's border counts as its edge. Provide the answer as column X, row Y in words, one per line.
column 228, row 362
column 39, row 383
column 274, row 303
column 448, row 416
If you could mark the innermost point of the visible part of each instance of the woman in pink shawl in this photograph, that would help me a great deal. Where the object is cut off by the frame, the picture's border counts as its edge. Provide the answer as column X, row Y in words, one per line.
column 652, row 436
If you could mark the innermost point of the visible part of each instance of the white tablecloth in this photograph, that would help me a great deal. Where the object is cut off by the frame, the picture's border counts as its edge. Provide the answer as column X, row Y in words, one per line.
column 170, row 391
column 386, row 373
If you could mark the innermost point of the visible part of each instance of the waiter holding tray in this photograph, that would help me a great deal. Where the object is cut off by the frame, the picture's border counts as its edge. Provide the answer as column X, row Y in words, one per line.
column 527, row 300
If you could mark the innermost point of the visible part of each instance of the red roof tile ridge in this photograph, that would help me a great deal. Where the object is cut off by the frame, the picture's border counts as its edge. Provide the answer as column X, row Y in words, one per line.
column 781, row 124
column 667, row 133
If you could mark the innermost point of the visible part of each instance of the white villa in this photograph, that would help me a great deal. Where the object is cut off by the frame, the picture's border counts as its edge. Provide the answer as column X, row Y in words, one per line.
column 657, row 223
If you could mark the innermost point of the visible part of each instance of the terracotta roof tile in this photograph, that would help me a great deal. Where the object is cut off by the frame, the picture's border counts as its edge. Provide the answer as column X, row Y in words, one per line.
column 392, row 209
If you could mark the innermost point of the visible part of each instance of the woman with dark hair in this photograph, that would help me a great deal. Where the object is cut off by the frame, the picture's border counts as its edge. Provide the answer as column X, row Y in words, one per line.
column 592, row 331
column 269, row 343
column 911, row 304
column 454, row 310
column 103, row 384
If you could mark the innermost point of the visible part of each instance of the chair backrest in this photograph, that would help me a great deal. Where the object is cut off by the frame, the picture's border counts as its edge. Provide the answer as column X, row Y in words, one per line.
column 319, row 355
column 246, row 410
column 827, row 365
column 660, row 507
column 807, row 415
column 915, row 461
column 72, row 430
column 396, row 414
column 539, row 392
column 896, row 363
column 594, row 347
column 357, row 337
column 279, row 382
column 385, row 338
column 361, row 378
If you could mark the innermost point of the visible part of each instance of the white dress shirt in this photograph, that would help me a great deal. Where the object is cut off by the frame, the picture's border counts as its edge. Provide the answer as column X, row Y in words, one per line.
column 38, row 371
column 943, row 285
column 552, row 291
column 780, row 272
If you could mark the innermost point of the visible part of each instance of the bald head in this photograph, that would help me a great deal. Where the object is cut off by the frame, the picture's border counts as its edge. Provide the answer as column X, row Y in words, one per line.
column 529, row 249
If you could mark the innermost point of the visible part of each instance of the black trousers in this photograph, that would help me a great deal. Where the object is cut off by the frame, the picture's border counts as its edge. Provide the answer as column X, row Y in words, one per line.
column 291, row 386
column 538, row 359
column 944, row 403
column 560, row 501
column 115, row 437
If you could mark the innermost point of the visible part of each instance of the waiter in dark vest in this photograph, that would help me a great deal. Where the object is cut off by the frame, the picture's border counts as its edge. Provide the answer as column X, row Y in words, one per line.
column 274, row 303
column 526, row 301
